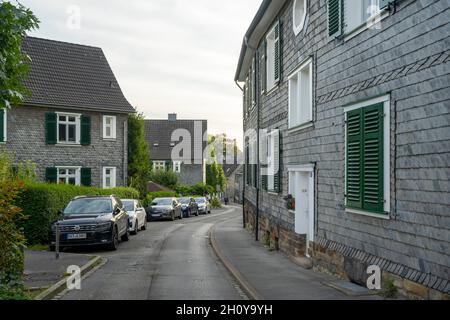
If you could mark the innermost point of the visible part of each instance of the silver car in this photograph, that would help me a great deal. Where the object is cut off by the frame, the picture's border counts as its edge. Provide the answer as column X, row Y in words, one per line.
column 204, row 206
column 165, row 208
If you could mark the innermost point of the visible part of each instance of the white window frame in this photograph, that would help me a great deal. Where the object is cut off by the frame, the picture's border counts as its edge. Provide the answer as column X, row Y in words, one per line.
column 386, row 153
column 77, row 127
column 112, row 126
column 177, row 166
column 77, row 174
column 112, row 175
column 271, row 82
column 270, row 165
column 5, row 124
column 158, row 164
column 299, row 25
column 295, row 89
column 365, row 22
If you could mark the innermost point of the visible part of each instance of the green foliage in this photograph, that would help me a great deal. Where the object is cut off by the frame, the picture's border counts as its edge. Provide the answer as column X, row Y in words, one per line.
column 167, row 179
column 16, row 20
column 158, row 194
column 138, row 154
column 200, row 189
column 216, row 203
column 215, row 176
column 26, row 170
column 12, row 241
column 390, row 290
column 41, row 202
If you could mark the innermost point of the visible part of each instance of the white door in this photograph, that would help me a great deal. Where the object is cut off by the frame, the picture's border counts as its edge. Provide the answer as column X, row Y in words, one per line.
column 302, row 189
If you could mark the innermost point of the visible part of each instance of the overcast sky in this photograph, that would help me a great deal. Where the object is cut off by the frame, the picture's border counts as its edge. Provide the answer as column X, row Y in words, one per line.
column 168, row 55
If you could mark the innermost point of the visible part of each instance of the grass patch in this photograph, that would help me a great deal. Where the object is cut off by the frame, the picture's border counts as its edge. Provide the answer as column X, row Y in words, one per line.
column 38, row 247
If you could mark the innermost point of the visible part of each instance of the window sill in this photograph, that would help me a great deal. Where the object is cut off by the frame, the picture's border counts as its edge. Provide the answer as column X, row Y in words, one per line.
column 68, row 145
column 110, row 139
column 369, row 214
column 366, row 25
column 273, row 89
column 273, row 193
column 301, row 126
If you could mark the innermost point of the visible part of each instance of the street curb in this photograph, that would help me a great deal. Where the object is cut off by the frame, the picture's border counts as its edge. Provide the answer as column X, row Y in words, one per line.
column 61, row 285
column 247, row 287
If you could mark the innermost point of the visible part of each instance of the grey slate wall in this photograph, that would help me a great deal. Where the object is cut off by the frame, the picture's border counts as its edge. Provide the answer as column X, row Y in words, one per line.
column 26, row 140
column 410, row 59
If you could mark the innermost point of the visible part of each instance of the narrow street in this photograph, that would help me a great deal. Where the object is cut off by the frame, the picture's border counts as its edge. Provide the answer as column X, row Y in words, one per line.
column 171, row 260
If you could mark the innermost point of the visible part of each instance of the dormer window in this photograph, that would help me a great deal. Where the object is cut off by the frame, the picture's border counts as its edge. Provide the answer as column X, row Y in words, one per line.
column 299, row 15
column 156, row 144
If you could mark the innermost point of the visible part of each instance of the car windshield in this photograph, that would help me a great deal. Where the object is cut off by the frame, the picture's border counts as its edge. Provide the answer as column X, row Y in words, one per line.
column 88, row 206
column 128, row 205
column 185, row 200
column 200, row 200
column 162, row 202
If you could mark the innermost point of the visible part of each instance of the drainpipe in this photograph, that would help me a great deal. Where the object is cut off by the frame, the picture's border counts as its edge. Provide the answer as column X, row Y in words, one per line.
column 125, row 153
column 243, row 176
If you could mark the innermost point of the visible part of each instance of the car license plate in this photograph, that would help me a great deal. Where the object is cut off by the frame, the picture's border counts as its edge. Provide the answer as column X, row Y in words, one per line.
column 77, row 236
column 156, row 215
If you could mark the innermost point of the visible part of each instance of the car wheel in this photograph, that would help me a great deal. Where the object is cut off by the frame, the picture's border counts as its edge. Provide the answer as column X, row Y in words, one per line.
column 181, row 215
column 126, row 236
column 144, row 227
column 196, row 213
column 115, row 240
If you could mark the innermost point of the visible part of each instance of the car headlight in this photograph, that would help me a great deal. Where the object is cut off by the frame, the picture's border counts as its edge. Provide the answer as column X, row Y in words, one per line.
column 103, row 226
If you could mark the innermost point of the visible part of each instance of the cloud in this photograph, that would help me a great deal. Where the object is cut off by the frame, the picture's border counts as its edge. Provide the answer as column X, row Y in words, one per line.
column 168, row 55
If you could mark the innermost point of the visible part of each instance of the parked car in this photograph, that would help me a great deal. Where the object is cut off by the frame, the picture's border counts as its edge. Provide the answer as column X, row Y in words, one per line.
column 204, row 206
column 88, row 221
column 138, row 216
column 164, row 208
column 188, row 206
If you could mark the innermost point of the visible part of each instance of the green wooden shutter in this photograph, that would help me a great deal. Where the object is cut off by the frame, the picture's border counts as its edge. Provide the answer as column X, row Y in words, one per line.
column 278, row 51
column 334, row 18
column 354, row 159
column 2, row 128
column 85, row 138
column 264, row 181
column 169, row 166
column 50, row 128
column 51, row 175
column 384, row 3
column 86, row 177
column 373, row 196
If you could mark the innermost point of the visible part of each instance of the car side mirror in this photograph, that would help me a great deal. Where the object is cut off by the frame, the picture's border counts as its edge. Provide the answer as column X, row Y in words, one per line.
column 117, row 211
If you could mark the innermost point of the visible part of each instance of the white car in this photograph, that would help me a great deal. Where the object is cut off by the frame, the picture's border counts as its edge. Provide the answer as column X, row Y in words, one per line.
column 138, row 216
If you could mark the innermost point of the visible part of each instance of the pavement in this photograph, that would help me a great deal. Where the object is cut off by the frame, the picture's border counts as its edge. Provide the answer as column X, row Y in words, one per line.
column 43, row 270
column 271, row 275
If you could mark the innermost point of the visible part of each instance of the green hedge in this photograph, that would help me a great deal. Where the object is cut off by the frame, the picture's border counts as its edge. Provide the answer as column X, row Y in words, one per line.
column 199, row 189
column 41, row 202
column 158, row 194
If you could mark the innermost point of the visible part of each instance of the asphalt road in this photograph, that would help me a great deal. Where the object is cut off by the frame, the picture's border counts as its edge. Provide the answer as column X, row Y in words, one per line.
column 170, row 260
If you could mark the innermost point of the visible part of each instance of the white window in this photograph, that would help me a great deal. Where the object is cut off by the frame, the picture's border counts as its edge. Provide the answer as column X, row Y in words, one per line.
column 177, row 166
column 109, row 127
column 358, row 12
column 272, row 49
column 69, row 175
column 300, row 95
column 68, row 128
column 159, row 165
column 299, row 15
column 109, row 177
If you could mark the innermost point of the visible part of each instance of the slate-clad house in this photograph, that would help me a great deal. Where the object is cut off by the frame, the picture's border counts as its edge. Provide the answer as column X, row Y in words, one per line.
column 355, row 95
column 178, row 145
column 74, row 123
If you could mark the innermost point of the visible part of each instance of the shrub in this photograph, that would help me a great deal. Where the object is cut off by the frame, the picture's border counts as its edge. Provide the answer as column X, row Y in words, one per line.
column 216, row 203
column 11, row 240
column 41, row 202
column 158, row 194
column 168, row 179
column 199, row 189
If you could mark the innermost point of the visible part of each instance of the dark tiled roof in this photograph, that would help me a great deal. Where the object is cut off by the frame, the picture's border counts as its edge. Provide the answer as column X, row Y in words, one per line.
column 71, row 75
column 160, row 131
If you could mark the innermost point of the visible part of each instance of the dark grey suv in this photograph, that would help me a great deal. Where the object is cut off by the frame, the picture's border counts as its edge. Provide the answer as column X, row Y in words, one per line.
column 92, row 221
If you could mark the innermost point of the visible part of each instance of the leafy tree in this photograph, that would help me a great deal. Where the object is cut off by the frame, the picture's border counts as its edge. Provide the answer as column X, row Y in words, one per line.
column 15, row 21
column 138, row 154
column 215, row 176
